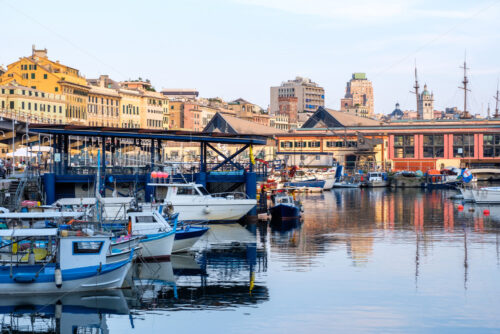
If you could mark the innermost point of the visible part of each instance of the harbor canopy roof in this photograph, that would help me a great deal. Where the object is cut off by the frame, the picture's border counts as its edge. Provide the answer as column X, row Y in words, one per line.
column 29, row 232
column 41, row 215
column 329, row 118
column 222, row 123
column 168, row 135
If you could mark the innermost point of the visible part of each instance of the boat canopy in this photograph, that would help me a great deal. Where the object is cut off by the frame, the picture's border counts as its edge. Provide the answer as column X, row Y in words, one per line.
column 190, row 184
column 41, row 215
column 76, row 201
column 29, row 232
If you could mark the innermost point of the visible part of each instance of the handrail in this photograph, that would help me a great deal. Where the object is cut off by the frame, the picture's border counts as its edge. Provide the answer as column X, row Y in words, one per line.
column 236, row 195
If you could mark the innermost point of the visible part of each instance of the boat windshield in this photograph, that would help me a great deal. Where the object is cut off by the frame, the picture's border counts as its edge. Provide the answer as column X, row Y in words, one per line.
column 186, row 191
column 203, row 190
column 145, row 219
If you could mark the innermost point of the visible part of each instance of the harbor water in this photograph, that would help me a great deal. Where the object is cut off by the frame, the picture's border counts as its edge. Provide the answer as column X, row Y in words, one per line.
column 361, row 260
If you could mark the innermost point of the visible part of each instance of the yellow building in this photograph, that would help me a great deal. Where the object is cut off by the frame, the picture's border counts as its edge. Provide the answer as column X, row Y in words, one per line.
column 153, row 104
column 130, row 108
column 175, row 114
column 42, row 74
column 32, row 105
column 103, row 103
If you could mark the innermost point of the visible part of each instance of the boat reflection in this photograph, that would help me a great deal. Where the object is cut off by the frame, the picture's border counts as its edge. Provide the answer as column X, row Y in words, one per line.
column 223, row 275
column 68, row 313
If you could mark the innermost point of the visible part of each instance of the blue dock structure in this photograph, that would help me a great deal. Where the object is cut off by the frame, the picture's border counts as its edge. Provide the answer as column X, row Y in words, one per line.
column 128, row 156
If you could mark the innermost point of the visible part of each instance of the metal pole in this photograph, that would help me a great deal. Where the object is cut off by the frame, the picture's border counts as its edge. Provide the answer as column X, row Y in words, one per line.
column 13, row 147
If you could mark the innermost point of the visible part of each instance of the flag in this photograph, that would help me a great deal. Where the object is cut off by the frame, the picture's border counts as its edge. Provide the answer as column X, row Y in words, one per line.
column 466, row 175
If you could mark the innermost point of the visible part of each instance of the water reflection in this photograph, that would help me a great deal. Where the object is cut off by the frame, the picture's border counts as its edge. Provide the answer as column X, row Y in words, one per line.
column 360, row 260
column 221, row 274
column 69, row 313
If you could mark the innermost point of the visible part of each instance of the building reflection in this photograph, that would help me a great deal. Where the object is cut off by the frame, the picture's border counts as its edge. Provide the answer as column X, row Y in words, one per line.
column 353, row 218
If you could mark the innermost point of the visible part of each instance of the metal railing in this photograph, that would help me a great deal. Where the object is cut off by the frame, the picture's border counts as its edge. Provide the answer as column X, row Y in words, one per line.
column 231, row 195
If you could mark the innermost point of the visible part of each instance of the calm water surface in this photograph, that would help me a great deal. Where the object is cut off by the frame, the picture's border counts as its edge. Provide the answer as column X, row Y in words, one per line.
column 361, row 261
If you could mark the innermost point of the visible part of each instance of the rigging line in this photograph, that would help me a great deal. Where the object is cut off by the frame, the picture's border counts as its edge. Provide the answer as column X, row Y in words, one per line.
column 438, row 37
column 62, row 37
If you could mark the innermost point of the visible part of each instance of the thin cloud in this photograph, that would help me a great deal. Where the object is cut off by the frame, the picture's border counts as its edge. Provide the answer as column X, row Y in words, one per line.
column 362, row 11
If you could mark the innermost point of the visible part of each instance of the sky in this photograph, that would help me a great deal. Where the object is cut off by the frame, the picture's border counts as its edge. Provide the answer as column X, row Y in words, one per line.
column 240, row 48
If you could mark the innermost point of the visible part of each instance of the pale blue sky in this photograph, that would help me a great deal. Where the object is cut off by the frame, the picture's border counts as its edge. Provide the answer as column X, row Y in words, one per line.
column 239, row 48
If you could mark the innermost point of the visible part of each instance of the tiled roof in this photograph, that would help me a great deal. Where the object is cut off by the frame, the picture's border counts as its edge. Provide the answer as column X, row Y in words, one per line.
column 241, row 126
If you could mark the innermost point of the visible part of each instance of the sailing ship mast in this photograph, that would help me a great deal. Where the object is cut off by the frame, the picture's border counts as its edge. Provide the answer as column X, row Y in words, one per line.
column 497, row 99
column 416, row 89
column 465, row 113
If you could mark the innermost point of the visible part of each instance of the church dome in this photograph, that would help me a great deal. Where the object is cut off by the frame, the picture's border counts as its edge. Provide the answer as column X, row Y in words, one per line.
column 425, row 92
column 397, row 113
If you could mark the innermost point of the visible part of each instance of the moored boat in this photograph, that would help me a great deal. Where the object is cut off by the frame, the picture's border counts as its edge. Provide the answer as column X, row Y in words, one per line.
column 48, row 261
column 284, row 207
column 194, row 203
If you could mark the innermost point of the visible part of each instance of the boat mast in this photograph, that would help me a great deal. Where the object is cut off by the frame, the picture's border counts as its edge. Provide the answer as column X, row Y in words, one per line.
column 497, row 99
column 416, row 89
column 465, row 113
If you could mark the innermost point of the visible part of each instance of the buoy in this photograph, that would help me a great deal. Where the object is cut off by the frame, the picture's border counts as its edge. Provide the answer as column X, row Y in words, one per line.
column 460, row 207
column 486, row 212
column 58, row 277
column 154, row 175
column 206, row 210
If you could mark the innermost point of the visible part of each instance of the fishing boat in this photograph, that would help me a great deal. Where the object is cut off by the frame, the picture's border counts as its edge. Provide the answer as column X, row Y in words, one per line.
column 377, row 180
column 158, row 235
column 194, row 203
column 486, row 195
column 284, row 207
column 48, row 261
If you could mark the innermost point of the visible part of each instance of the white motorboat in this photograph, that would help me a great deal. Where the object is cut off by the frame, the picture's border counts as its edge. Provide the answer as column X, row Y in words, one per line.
column 194, row 203
column 158, row 240
column 467, row 194
column 486, row 195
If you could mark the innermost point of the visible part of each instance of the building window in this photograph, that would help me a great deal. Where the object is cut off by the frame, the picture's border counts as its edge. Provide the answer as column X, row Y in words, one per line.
column 463, row 146
column 491, row 146
column 32, row 75
column 404, row 146
column 45, row 76
column 433, row 146
column 300, row 144
column 11, row 104
column 22, row 105
column 56, row 89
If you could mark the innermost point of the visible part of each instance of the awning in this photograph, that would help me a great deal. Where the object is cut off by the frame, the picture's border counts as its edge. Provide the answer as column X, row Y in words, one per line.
column 29, row 232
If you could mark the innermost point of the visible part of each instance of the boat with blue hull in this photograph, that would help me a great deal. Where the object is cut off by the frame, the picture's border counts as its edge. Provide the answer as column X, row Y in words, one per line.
column 285, row 207
column 186, row 236
column 49, row 261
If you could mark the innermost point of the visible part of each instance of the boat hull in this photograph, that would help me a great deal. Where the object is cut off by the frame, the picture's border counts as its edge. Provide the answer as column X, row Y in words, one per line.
column 486, row 195
column 108, row 276
column 185, row 239
column 282, row 211
column 213, row 211
column 157, row 246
